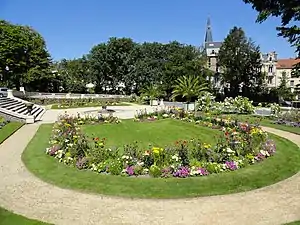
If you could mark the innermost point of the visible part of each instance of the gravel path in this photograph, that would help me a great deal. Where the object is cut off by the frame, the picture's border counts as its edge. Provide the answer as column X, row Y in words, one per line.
column 25, row 194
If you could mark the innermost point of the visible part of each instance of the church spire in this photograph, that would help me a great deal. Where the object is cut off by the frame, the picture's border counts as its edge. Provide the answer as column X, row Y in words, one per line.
column 208, row 33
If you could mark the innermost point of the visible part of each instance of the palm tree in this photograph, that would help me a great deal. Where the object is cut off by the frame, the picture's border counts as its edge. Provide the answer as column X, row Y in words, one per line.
column 188, row 87
column 152, row 92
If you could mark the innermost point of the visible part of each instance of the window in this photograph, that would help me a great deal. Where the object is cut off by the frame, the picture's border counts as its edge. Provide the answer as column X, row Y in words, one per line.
column 292, row 83
column 270, row 59
column 270, row 80
column 213, row 52
column 270, row 69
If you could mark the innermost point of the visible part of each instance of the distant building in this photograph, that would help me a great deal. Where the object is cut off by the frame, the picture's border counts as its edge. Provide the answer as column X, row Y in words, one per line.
column 211, row 48
column 273, row 67
column 285, row 67
column 269, row 62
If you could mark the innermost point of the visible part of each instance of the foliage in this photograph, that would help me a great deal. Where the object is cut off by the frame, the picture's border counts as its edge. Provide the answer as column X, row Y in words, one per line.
column 206, row 102
column 275, row 109
column 288, row 10
column 188, row 87
column 77, row 102
column 284, row 92
column 240, row 144
column 240, row 61
column 238, row 104
column 152, row 92
column 24, row 59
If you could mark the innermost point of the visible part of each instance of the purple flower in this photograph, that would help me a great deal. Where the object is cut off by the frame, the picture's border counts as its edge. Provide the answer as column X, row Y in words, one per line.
column 182, row 172
column 203, row 171
column 260, row 157
column 166, row 172
column 81, row 163
column 231, row 165
column 130, row 170
column 54, row 149
column 270, row 147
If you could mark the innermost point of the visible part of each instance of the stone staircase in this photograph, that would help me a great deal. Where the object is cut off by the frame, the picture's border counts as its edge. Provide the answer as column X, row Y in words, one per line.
column 16, row 109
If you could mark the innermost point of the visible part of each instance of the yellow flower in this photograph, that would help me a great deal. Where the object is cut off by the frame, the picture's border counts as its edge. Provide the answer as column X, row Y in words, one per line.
column 157, row 150
column 206, row 145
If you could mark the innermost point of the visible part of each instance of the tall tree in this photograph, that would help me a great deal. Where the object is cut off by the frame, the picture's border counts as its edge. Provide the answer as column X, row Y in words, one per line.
column 289, row 11
column 73, row 75
column 24, row 59
column 240, row 61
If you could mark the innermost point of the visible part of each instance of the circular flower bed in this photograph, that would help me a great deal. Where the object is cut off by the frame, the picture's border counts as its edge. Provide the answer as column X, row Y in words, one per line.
column 239, row 145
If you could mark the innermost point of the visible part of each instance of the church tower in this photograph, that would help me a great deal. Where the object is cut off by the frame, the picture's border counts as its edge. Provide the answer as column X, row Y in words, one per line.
column 208, row 33
column 211, row 48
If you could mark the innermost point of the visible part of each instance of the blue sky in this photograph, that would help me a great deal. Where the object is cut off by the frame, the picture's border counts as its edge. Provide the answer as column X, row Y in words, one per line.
column 72, row 27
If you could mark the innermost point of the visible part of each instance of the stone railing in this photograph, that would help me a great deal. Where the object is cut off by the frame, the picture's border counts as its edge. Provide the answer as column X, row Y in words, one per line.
column 63, row 95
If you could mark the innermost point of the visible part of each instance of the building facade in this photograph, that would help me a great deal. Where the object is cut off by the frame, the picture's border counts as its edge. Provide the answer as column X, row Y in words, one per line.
column 273, row 67
column 285, row 67
column 269, row 65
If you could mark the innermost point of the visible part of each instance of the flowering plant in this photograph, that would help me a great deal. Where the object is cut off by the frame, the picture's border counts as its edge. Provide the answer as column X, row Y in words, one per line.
column 238, row 145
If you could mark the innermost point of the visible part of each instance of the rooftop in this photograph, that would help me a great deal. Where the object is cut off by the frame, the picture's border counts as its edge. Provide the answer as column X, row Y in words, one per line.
column 215, row 44
column 287, row 63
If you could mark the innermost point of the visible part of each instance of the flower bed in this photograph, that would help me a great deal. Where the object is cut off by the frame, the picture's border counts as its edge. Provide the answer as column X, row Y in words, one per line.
column 239, row 145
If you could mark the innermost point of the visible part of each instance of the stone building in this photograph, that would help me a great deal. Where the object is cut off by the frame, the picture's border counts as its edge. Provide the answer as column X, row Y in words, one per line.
column 269, row 62
column 211, row 48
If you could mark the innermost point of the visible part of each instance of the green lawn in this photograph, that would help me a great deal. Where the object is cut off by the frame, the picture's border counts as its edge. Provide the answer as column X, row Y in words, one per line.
column 9, row 218
column 159, row 133
column 293, row 223
column 266, row 122
column 8, row 130
column 92, row 104
column 284, row 164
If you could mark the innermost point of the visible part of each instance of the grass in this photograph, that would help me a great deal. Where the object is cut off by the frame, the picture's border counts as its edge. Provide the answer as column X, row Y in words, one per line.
column 294, row 223
column 9, row 129
column 158, row 133
column 92, row 104
column 266, row 122
column 9, row 218
column 285, row 163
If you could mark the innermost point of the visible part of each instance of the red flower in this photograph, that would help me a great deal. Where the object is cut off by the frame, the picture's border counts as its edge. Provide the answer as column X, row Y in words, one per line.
column 96, row 139
column 226, row 133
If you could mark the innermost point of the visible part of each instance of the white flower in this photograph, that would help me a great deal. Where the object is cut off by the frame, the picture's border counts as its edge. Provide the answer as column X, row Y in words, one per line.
column 229, row 150
column 165, row 115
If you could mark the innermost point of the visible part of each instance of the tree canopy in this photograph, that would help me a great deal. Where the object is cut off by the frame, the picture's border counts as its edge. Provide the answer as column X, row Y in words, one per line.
column 239, row 59
column 289, row 12
column 24, row 59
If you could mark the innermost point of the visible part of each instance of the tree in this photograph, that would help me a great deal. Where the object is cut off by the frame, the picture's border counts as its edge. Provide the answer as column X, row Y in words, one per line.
column 240, row 61
column 152, row 92
column 289, row 11
column 73, row 75
column 181, row 60
column 284, row 92
column 188, row 87
column 24, row 59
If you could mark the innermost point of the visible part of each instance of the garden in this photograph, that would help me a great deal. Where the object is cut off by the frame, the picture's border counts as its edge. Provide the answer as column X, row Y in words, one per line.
column 164, row 154
column 242, row 109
